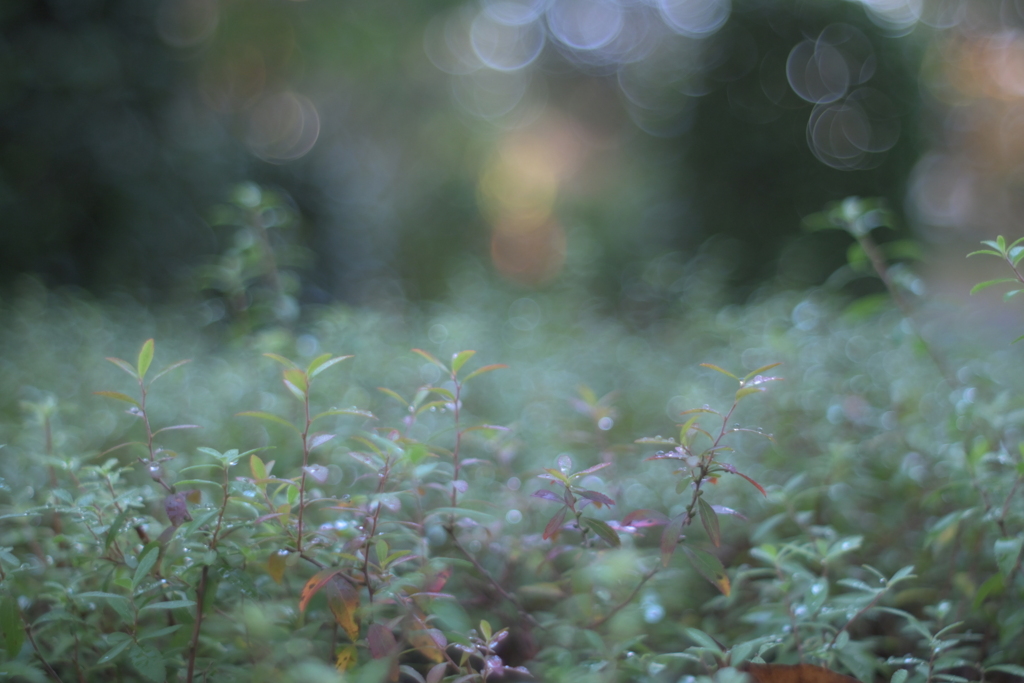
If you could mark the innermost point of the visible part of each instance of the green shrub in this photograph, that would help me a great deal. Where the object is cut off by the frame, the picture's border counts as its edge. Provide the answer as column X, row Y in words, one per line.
column 516, row 507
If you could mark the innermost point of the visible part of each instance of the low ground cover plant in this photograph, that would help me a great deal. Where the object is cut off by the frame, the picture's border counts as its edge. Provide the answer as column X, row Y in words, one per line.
column 508, row 488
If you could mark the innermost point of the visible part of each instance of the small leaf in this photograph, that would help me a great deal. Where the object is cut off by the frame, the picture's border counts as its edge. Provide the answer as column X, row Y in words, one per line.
column 480, row 371
column 710, row 521
column 346, row 658
column 644, row 518
column 547, row 495
column 554, row 524
column 898, row 676
column 433, row 360
column 270, row 417
column 10, row 624
column 169, row 604
column 256, row 466
column 343, row 601
column 115, row 528
column 318, row 472
column 764, row 368
column 437, row 673
column 459, row 359
column 732, row 470
column 394, row 395
column 606, row 533
column 1007, row 551
column 174, row 427
column 323, row 362
column 591, row 470
column 172, row 366
column 747, row 391
column 282, row 360
column 709, row 566
column 276, row 564
column 988, row 283
column 723, row 510
column 598, row 498
column 145, row 357
column 146, row 562
column 313, row 586
column 718, row 369
column 381, row 641
column 351, row 411
column 319, row 439
column 119, row 396
column 670, row 537
column 149, row 662
column 985, row 251
column 124, row 365
column 121, row 646
column 703, row 639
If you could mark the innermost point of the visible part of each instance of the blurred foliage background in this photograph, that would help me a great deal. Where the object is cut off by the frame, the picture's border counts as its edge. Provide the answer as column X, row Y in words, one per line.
column 408, row 138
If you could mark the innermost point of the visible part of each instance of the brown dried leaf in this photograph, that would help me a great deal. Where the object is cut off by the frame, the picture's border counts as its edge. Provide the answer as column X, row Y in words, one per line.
column 343, row 600
column 794, row 673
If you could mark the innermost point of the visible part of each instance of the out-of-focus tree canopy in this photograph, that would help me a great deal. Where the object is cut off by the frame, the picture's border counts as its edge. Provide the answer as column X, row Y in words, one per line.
column 532, row 135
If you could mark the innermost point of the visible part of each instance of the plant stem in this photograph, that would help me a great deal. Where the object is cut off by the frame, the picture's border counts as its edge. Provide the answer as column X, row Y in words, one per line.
column 615, row 610
column 35, row 646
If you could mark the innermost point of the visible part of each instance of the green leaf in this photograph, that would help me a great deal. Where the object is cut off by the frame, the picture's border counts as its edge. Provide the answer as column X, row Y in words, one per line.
column 120, row 647
column 607, row 534
column 480, row 371
column 270, row 417
column 119, row 396
column 459, row 359
column 1014, row 669
column 355, row 412
column 323, row 362
column 124, row 365
column 765, row 368
column 898, row 676
column 146, row 563
column 747, row 391
column 709, row 519
column 721, row 370
column 709, row 566
column 985, row 251
column 259, row 470
column 485, row 629
column 115, row 528
column 985, row 285
column 149, row 662
column 393, row 395
column 702, row 639
column 10, row 624
column 169, row 604
column 145, row 357
column 282, row 360
column 1007, row 551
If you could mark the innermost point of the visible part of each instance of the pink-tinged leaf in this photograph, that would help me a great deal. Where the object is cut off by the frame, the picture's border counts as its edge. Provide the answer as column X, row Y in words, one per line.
column 173, row 427
column 718, row 369
column 723, row 510
column 591, row 470
column 435, row 582
column 437, row 673
column 433, row 360
column 124, row 365
column 283, row 361
column 172, row 366
column 118, row 396
column 557, row 474
column 319, row 439
column 480, row 371
column 554, row 524
column 381, row 641
column 710, row 521
column 732, row 470
column 547, row 495
column 644, row 518
column 490, row 428
column 670, row 537
column 318, row 472
column 598, row 498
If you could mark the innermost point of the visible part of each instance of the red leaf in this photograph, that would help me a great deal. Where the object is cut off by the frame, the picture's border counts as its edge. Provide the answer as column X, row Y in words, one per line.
column 381, row 641
column 314, row 585
column 598, row 498
column 555, row 524
column 732, row 470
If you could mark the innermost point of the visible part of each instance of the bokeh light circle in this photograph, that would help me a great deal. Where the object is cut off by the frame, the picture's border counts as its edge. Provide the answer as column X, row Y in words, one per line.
column 505, row 47
column 695, row 18
column 585, row 24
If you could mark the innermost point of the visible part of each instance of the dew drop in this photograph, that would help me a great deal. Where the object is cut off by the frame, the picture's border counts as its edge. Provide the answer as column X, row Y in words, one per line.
column 565, row 463
column 605, row 423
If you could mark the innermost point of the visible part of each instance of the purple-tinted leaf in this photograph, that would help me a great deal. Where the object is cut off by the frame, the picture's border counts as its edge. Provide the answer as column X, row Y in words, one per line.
column 598, row 498
column 319, row 439
column 723, row 510
column 591, row 470
column 172, row 427
column 381, row 641
column 644, row 518
column 318, row 472
column 547, row 495
column 732, row 470
column 554, row 525
column 176, row 507
column 437, row 672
